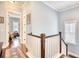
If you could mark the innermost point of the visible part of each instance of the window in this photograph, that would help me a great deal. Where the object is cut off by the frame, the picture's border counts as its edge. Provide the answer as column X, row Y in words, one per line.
column 70, row 32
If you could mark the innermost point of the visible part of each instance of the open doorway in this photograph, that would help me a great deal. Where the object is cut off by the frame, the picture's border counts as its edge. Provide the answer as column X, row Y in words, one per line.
column 14, row 28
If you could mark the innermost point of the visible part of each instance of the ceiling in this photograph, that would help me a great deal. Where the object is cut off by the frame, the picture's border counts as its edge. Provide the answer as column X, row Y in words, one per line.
column 61, row 5
column 56, row 5
column 20, row 3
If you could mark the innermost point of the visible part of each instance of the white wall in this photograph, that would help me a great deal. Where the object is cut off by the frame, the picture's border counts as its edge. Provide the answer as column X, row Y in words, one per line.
column 6, row 7
column 2, row 25
column 72, row 14
column 44, row 19
column 16, row 10
column 25, row 11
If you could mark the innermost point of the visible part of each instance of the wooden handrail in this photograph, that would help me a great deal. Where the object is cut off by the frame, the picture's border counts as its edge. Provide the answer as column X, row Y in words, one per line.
column 51, row 36
column 66, row 47
column 61, row 40
column 34, row 35
column 64, row 42
column 43, row 37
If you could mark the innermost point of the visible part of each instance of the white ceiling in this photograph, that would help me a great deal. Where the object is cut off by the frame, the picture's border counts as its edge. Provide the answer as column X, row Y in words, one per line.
column 56, row 5
column 20, row 3
column 61, row 5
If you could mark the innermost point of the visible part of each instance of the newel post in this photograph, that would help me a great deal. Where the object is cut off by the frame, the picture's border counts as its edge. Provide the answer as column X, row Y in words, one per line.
column 42, row 45
column 60, row 48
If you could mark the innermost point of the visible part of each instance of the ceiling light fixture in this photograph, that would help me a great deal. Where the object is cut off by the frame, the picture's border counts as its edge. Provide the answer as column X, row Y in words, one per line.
column 11, row 1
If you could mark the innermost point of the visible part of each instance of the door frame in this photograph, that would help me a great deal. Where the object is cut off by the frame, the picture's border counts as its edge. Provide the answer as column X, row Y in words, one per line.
column 7, row 23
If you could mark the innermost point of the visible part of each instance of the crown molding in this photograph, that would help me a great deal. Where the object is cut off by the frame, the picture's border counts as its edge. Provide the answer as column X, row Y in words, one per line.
column 49, row 5
column 61, row 10
column 69, row 7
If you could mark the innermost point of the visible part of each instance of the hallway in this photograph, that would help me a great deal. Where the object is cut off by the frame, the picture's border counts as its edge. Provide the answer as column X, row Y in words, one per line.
column 39, row 29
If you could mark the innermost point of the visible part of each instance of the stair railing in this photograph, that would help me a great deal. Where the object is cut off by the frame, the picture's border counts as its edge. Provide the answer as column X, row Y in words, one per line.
column 61, row 40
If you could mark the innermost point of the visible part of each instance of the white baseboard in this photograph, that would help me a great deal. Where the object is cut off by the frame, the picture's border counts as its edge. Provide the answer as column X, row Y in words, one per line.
column 76, row 55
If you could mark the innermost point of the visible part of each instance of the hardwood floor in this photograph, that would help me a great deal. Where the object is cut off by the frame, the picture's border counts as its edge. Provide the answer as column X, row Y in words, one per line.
column 13, row 51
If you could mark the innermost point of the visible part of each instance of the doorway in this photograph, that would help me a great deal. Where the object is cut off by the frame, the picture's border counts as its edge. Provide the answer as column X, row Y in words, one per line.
column 14, row 26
